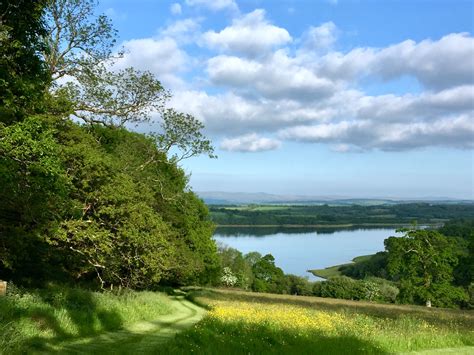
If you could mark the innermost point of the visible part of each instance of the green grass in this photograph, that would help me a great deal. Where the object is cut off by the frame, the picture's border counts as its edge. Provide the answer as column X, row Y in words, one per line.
column 37, row 319
column 241, row 322
column 336, row 270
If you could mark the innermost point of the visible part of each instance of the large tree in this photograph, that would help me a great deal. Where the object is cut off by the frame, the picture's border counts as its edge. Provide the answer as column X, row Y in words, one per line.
column 422, row 261
column 81, row 58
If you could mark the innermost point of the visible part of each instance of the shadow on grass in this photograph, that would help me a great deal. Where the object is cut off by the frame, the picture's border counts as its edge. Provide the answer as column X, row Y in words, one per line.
column 216, row 337
column 61, row 313
column 146, row 337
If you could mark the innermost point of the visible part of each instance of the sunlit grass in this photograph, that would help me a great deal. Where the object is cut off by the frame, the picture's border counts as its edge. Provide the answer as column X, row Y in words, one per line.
column 261, row 326
column 39, row 317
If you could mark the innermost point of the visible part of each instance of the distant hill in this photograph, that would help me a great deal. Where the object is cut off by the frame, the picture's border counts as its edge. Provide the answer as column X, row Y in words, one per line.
column 244, row 198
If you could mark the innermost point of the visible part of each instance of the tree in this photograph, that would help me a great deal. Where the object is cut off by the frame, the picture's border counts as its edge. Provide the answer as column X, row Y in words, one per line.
column 268, row 277
column 23, row 77
column 423, row 262
column 183, row 132
column 78, row 50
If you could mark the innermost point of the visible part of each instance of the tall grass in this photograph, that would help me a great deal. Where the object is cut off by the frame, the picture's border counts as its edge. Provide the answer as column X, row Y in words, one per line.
column 262, row 324
column 36, row 318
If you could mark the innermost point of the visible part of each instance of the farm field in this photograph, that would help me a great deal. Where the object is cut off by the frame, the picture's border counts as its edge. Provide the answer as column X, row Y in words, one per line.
column 403, row 214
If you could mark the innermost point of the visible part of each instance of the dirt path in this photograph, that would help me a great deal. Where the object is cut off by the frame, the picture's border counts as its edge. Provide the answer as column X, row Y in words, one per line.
column 142, row 337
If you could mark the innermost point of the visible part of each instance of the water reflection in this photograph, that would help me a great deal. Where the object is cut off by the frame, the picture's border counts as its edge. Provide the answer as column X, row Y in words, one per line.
column 297, row 250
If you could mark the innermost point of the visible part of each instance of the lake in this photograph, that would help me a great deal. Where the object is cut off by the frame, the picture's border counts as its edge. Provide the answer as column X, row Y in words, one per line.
column 297, row 250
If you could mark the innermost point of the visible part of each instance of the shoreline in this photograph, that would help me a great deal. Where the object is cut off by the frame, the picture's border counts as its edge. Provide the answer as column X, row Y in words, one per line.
column 323, row 225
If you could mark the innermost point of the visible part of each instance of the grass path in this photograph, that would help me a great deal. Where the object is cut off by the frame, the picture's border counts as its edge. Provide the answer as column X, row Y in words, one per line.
column 142, row 337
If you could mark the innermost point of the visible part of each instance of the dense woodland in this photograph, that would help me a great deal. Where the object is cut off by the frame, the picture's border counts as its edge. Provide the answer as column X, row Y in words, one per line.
column 84, row 199
column 403, row 213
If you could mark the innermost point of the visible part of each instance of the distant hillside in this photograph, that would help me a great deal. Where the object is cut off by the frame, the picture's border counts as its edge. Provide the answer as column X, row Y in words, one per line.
column 342, row 215
column 243, row 198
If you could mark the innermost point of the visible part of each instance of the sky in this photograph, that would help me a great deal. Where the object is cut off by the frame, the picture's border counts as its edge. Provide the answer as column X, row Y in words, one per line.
column 347, row 98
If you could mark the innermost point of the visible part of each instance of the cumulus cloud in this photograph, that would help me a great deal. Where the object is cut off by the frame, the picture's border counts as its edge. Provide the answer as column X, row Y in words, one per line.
column 251, row 35
column 175, row 8
column 311, row 92
column 320, row 37
column 214, row 5
column 436, row 64
column 249, row 143
column 277, row 77
column 161, row 56
column 453, row 132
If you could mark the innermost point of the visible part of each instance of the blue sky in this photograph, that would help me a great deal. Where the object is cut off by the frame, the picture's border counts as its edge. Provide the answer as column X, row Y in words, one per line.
column 323, row 97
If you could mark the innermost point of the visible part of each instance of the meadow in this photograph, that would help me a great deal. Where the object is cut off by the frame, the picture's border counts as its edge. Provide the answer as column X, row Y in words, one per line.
column 240, row 322
column 41, row 319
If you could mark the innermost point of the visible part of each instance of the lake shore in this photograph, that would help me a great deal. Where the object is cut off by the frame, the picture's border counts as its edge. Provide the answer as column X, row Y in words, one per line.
column 331, row 271
column 348, row 225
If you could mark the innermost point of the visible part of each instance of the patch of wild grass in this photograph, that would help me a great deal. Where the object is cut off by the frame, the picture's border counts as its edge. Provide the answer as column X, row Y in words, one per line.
column 35, row 318
column 236, row 326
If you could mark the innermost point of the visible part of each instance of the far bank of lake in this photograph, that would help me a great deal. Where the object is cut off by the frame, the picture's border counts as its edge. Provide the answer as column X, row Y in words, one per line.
column 299, row 249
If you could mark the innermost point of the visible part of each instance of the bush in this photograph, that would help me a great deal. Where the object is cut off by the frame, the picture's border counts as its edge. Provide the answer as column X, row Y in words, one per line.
column 342, row 287
column 298, row 285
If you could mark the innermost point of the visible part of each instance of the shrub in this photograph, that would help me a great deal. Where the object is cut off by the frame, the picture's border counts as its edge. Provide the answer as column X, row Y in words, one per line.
column 228, row 278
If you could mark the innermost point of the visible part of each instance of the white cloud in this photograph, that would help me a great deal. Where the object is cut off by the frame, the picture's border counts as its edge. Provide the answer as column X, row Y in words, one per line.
column 249, row 143
column 278, row 76
column 251, row 35
column 310, row 92
column 183, row 31
column 453, row 132
column 161, row 56
column 175, row 9
column 320, row 37
column 436, row 64
column 214, row 5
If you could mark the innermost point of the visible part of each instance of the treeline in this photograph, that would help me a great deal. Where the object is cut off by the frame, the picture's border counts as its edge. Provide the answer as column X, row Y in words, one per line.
column 85, row 200
column 425, row 266
column 259, row 273
column 404, row 213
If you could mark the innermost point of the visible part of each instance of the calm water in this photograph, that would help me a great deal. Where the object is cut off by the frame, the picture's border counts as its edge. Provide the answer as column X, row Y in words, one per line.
column 298, row 250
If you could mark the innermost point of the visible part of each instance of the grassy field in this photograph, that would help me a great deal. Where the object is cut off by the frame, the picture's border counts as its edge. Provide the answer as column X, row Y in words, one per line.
column 62, row 320
column 335, row 270
column 250, row 323
column 40, row 319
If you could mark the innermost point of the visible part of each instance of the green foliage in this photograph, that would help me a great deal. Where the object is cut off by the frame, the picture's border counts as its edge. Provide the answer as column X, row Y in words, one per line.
column 103, row 203
column 423, row 262
column 462, row 229
column 268, row 277
column 75, row 38
column 182, row 132
column 370, row 289
column 345, row 216
column 239, row 265
column 33, row 319
column 375, row 265
column 23, row 77
column 33, row 194
column 298, row 286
